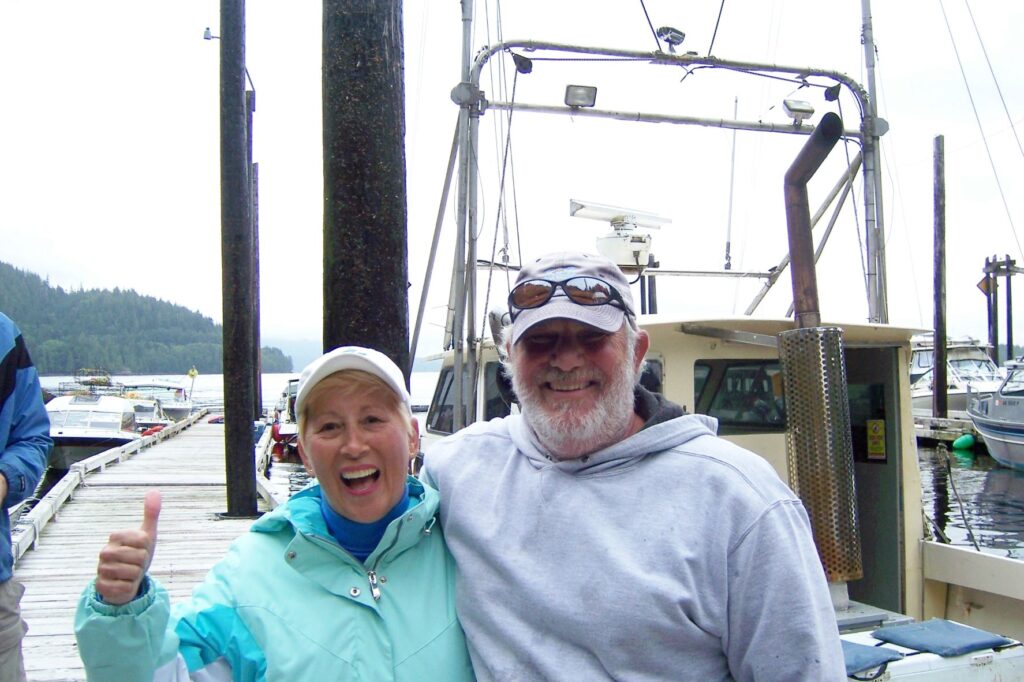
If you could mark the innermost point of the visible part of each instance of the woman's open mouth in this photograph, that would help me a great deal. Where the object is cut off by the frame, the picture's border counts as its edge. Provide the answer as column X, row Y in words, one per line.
column 358, row 480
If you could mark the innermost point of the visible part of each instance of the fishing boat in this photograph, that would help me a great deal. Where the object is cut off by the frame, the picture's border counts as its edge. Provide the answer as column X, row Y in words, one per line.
column 149, row 415
column 969, row 370
column 85, row 425
column 999, row 418
column 771, row 392
column 174, row 398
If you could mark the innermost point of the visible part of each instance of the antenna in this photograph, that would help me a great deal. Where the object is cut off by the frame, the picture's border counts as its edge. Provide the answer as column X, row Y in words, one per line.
column 624, row 245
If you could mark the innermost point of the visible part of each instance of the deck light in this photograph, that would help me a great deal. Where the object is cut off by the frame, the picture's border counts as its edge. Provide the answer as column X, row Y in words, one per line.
column 580, row 96
column 797, row 110
column 208, row 35
column 672, row 36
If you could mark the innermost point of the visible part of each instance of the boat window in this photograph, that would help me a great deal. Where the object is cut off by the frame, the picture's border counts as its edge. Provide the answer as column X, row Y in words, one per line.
column 653, row 376
column 440, row 417
column 922, row 359
column 57, row 418
column 105, row 420
column 745, row 396
column 128, row 421
column 701, row 372
column 498, row 398
column 1014, row 383
column 975, row 368
column 77, row 419
column 497, row 391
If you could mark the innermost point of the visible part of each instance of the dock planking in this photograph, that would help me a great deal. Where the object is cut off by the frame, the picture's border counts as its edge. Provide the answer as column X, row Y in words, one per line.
column 188, row 469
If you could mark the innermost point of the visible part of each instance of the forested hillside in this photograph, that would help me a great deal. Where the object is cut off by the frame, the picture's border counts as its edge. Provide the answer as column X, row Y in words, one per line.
column 119, row 331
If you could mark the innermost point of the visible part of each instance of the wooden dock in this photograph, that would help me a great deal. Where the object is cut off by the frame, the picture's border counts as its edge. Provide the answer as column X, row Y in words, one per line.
column 943, row 430
column 102, row 496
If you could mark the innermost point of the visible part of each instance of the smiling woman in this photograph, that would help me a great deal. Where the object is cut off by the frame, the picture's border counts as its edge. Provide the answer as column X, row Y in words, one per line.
column 350, row 579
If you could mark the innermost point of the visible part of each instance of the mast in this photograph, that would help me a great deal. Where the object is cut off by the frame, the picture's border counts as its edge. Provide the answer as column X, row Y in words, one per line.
column 468, row 96
column 875, row 230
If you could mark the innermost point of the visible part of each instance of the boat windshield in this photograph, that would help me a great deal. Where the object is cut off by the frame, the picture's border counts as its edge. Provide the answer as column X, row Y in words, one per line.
column 975, row 368
column 82, row 419
column 1014, row 384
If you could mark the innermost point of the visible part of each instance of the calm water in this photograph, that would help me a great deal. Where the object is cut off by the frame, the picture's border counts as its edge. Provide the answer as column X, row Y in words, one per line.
column 967, row 492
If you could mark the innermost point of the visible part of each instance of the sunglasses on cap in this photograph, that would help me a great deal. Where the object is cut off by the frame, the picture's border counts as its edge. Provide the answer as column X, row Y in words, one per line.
column 585, row 291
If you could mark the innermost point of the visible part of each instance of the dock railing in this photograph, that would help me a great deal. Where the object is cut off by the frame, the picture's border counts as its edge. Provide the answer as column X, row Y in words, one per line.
column 26, row 527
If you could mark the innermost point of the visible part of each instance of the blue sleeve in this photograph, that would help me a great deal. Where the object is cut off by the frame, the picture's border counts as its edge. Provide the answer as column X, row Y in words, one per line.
column 23, row 416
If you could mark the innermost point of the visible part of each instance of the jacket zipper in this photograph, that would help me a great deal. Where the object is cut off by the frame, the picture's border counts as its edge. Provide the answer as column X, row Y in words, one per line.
column 371, row 574
column 374, row 589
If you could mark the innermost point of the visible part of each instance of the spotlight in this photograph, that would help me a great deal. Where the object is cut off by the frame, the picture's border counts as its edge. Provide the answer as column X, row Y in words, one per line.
column 580, row 96
column 672, row 36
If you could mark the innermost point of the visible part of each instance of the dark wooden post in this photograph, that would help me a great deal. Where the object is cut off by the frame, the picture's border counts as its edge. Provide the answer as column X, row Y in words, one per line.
column 365, row 252
column 254, row 214
column 1009, row 307
column 991, row 272
column 236, row 265
column 940, row 399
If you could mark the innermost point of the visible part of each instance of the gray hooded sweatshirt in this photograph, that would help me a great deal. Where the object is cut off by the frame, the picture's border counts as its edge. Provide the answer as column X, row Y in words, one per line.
column 671, row 555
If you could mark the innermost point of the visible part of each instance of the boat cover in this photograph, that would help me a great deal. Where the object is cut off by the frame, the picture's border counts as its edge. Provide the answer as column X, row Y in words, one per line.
column 942, row 637
column 861, row 657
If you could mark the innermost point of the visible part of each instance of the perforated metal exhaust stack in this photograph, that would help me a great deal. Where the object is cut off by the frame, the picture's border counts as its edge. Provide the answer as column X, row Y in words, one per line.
column 819, row 447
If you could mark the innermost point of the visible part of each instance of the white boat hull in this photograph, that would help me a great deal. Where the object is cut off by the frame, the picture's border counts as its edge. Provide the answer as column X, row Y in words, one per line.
column 1004, row 442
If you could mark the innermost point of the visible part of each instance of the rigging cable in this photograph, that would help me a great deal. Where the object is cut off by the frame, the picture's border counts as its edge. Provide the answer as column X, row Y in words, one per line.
column 501, row 200
column 892, row 172
column 853, row 204
column 992, row 71
column 977, row 118
column 653, row 32
column 721, row 7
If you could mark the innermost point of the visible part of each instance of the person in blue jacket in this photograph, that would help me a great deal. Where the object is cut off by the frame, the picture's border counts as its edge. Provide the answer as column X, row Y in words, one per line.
column 350, row 579
column 24, row 445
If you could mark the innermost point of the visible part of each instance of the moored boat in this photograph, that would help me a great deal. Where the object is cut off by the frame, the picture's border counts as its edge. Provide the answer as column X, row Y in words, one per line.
column 174, row 399
column 733, row 369
column 85, row 425
column 969, row 370
column 999, row 418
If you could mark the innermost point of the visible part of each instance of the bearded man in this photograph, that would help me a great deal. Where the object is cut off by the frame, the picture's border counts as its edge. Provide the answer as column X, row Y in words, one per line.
column 603, row 534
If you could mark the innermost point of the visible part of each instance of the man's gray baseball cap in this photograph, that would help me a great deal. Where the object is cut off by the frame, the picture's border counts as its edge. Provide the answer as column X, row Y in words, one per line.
column 564, row 265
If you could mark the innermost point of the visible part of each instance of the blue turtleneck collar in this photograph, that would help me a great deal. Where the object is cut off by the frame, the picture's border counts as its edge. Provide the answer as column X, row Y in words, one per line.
column 360, row 539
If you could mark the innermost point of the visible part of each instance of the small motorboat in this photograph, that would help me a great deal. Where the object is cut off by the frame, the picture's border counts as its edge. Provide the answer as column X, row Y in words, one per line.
column 999, row 418
column 84, row 425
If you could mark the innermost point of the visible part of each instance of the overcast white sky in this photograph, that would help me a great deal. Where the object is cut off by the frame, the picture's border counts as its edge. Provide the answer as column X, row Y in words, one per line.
column 109, row 170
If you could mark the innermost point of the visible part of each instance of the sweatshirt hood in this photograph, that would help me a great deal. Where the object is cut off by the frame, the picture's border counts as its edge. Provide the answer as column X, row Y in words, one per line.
column 654, row 438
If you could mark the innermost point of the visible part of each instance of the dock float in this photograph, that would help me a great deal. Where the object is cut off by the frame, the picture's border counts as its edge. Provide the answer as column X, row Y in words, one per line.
column 57, row 543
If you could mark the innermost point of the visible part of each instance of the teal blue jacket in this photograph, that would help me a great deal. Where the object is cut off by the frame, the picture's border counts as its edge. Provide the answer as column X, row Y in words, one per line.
column 288, row 603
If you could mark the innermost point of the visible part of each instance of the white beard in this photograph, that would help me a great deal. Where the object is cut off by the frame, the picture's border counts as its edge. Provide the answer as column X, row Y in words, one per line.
column 569, row 433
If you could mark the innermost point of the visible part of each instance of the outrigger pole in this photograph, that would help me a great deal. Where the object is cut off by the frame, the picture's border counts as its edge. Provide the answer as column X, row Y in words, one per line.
column 473, row 104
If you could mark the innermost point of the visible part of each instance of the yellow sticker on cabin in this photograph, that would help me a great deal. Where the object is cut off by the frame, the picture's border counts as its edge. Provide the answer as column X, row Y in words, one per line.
column 876, row 438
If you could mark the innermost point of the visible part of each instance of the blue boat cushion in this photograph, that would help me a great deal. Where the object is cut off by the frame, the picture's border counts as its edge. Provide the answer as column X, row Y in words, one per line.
column 942, row 637
column 861, row 657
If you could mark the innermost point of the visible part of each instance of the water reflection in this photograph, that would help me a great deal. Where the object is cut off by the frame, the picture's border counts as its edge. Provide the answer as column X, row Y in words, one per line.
column 991, row 498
